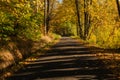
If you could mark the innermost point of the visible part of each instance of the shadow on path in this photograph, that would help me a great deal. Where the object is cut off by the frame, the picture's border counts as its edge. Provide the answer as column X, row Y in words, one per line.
column 67, row 60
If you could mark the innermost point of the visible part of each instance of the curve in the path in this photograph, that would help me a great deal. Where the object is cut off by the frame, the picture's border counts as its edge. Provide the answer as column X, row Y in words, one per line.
column 67, row 60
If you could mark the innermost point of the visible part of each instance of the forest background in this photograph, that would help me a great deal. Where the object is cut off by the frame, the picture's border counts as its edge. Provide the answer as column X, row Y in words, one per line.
column 25, row 24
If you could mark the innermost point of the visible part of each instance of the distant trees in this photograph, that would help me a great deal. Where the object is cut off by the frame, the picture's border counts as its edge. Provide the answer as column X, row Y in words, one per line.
column 64, row 21
column 95, row 21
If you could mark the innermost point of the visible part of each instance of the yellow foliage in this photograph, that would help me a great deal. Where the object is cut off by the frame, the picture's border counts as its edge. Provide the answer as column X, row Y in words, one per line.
column 92, row 39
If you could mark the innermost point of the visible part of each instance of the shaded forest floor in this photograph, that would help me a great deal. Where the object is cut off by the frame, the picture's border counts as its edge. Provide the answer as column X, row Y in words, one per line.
column 70, row 59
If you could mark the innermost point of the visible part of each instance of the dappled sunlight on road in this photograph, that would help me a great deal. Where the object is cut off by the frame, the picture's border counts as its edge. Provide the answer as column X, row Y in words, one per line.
column 67, row 61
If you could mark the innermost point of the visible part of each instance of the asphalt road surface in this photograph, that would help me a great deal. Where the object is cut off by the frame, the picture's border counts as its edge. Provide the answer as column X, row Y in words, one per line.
column 66, row 60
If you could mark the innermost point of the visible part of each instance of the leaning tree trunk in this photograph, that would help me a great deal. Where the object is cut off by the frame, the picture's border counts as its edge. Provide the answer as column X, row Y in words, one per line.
column 118, row 7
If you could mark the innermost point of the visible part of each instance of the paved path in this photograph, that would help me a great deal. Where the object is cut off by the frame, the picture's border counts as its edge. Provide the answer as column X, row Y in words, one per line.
column 67, row 60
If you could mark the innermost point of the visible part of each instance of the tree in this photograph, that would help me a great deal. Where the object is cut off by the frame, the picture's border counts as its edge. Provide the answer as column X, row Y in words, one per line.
column 49, row 7
column 87, row 18
column 118, row 7
column 104, row 29
column 45, row 17
column 64, row 18
column 21, row 18
column 78, row 19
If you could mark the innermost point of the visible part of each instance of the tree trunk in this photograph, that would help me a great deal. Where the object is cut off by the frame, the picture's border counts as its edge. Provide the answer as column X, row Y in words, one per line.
column 45, row 16
column 78, row 18
column 48, row 16
column 118, row 7
column 86, row 18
